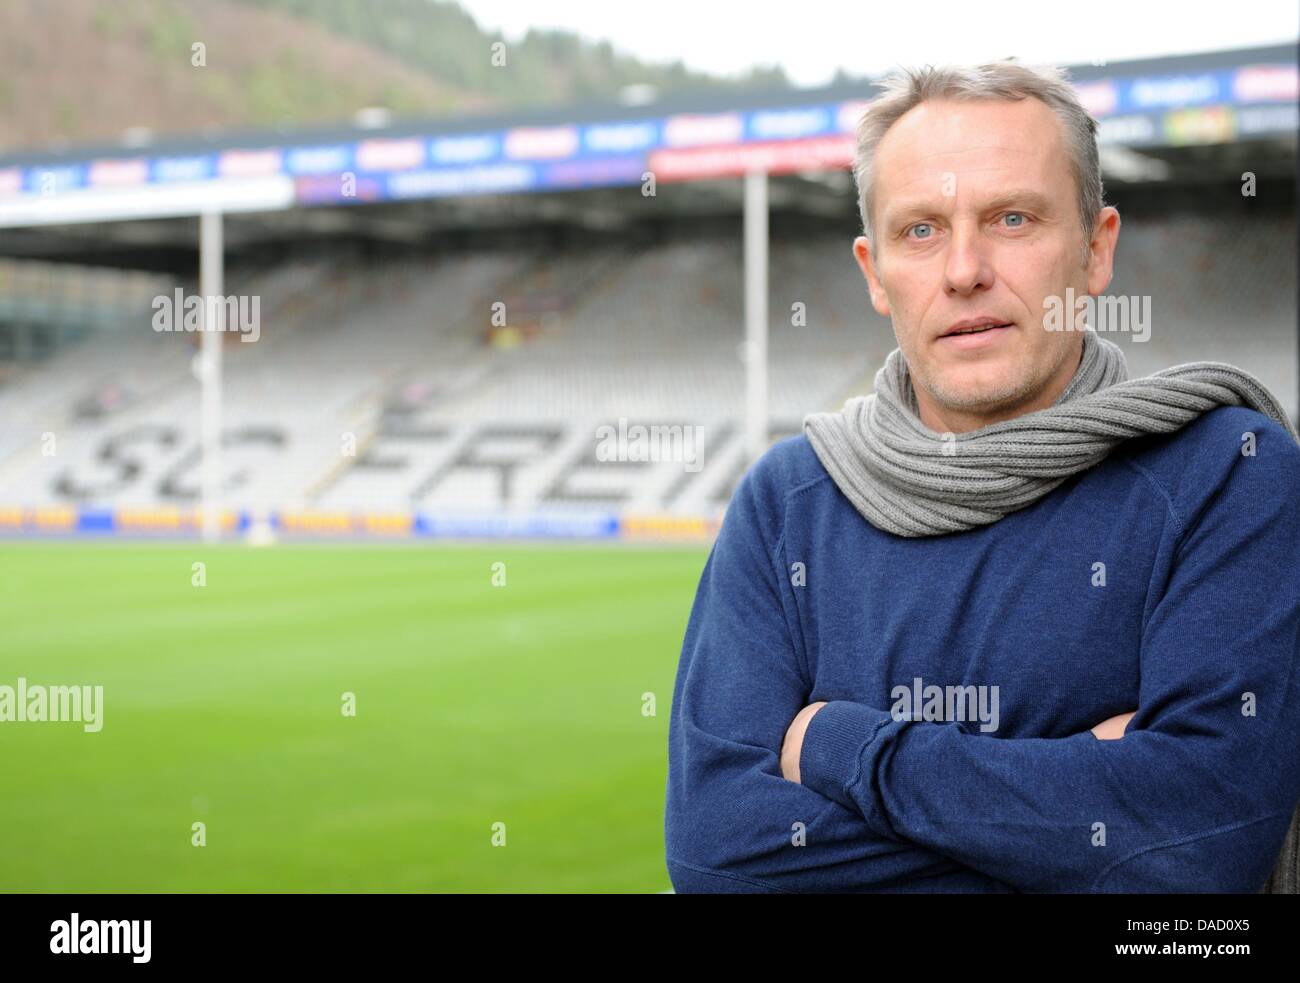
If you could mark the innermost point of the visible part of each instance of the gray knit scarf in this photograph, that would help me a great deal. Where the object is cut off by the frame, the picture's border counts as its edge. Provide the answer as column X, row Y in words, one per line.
column 912, row 481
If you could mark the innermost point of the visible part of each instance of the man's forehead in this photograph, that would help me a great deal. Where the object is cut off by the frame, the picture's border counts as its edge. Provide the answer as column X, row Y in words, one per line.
column 975, row 144
column 957, row 125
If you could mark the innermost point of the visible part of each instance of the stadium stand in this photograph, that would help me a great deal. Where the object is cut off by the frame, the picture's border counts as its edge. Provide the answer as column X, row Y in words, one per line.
column 387, row 386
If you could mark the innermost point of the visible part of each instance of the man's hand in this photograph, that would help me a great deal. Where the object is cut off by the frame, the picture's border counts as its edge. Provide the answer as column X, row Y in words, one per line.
column 1112, row 729
column 793, row 743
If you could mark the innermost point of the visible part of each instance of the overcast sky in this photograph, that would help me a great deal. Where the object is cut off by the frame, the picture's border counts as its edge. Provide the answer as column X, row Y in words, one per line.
column 811, row 38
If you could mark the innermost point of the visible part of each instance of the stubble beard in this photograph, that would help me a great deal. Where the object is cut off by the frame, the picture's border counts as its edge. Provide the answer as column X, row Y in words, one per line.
column 997, row 397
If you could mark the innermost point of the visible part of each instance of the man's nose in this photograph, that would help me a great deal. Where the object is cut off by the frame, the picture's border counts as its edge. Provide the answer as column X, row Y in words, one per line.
column 968, row 267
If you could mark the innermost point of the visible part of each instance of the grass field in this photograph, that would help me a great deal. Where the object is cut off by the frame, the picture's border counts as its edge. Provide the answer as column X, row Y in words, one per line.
column 475, row 704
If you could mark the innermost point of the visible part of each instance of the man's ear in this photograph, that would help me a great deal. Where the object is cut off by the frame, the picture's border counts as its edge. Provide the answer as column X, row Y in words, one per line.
column 1101, row 250
column 862, row 253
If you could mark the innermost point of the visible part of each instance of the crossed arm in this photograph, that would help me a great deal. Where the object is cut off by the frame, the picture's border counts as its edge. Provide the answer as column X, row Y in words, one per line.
column 1196, row 810
column 1110, row 729
column 1198, row 794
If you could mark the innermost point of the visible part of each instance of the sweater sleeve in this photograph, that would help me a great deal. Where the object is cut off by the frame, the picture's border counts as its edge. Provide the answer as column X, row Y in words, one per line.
column 732, row 822
column 1198, row 794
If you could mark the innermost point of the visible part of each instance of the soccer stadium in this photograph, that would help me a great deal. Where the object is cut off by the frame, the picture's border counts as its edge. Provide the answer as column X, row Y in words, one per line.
column 383, row 560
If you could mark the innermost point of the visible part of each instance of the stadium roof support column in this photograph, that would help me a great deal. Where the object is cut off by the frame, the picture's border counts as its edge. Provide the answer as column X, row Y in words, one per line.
column 211, row 275
column 755, row 314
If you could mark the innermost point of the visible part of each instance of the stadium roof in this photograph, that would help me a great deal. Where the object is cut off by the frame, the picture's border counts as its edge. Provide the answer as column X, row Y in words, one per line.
column 1195, row 99
column 1179, row 119
column 592, row 112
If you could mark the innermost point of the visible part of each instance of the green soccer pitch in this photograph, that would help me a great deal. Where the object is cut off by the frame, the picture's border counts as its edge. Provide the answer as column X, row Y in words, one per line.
column 476, row 704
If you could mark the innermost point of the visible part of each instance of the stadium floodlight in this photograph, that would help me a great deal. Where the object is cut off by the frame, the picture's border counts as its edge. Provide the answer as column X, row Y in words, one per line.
column 638, row 94
column 137, row 136
column 372, row 118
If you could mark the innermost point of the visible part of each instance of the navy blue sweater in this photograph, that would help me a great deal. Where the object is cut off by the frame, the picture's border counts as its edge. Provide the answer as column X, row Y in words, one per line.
column 1166, row 580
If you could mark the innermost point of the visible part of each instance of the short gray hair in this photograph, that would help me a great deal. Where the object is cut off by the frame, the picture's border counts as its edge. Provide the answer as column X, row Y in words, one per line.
column 908, row 87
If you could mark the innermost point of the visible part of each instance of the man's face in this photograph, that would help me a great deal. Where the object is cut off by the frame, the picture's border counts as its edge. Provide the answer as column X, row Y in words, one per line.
column 975, row 216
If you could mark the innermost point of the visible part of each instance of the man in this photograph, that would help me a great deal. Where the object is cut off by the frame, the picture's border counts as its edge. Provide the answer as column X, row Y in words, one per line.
column 1013, row 622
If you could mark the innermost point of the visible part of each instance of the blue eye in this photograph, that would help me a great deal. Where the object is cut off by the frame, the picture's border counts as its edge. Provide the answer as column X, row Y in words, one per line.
column 1015, row 215
column 920, row 225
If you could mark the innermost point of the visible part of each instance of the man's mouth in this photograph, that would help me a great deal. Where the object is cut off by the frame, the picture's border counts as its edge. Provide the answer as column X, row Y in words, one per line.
column 986, row 327
column 977, row 327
